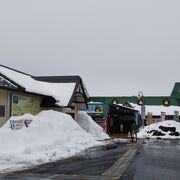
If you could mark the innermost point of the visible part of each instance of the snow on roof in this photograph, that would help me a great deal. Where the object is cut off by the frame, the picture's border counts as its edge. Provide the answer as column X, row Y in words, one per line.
column 4, row 82
column 91, row 102
column 156, row 110
column 131, row 108
column 61, row 92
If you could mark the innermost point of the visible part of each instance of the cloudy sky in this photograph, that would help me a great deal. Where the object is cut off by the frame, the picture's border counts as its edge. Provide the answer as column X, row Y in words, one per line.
column 118, row 47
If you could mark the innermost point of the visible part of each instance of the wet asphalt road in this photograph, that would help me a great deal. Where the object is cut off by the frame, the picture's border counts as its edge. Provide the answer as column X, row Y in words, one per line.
column 155, row 160
column 92, row 162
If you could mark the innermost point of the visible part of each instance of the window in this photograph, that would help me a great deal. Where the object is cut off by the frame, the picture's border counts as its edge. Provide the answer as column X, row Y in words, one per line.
column 2, row 111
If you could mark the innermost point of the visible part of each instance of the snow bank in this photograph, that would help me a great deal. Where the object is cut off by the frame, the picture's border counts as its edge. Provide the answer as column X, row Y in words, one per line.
column 155, row 130
column 51, row 136
column 88, row 124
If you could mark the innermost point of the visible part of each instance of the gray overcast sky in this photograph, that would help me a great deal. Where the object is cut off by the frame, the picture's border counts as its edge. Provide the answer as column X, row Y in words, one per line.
column 119, row 47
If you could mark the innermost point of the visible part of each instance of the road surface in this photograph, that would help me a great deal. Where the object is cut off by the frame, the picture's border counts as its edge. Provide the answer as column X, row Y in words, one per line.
column 90, row 164
column 155, row 160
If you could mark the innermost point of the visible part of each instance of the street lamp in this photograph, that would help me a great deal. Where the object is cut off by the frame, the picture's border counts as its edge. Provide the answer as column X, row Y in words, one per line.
column 140, row 102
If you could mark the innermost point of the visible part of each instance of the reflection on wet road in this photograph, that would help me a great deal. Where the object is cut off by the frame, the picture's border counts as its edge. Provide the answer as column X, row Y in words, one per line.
column 154, row 160
column 157, row 160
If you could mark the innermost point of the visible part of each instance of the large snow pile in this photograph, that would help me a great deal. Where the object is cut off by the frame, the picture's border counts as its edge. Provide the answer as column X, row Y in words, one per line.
column 88, row 124
column 169, row 129
column 51, row 136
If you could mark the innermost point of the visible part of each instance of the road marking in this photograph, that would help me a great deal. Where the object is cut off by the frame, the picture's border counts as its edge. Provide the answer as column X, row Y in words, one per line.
column 30, row 176
column 82, row 177
column 118, row 168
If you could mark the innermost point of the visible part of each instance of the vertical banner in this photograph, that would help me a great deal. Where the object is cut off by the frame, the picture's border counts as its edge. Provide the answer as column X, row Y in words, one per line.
column 163, row 116
column 150, row 118
column 143, row 115
column 143, row 112
column 176, row 116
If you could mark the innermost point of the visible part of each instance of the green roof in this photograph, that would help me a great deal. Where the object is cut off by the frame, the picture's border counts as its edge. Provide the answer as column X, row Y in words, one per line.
column 176, row 90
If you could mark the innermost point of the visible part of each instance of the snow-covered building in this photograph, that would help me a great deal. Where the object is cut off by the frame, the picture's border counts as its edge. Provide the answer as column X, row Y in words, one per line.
column 22, row 93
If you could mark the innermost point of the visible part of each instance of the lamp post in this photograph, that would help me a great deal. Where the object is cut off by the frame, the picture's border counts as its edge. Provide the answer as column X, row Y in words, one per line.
column 140, row 102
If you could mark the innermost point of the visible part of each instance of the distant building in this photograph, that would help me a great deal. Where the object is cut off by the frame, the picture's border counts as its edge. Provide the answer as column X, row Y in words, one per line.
column 119, row 110
column 22, row 93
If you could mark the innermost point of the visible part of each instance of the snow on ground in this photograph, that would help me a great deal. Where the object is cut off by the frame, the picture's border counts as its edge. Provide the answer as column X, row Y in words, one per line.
column 51, row 136
column 148, row 131
column 88, row 124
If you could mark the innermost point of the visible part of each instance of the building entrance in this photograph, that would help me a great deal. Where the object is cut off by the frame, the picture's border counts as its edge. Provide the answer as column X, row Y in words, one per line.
column 121, row 118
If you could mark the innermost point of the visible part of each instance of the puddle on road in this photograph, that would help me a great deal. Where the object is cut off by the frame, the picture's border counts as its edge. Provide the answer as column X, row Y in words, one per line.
column 103, row 151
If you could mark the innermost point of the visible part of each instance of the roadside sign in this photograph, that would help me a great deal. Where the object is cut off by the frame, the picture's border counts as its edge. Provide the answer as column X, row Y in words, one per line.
column 18, row 124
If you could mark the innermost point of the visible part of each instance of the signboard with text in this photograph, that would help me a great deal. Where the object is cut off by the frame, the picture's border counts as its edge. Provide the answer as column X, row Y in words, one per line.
column 94, row 108
column 18, row 124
